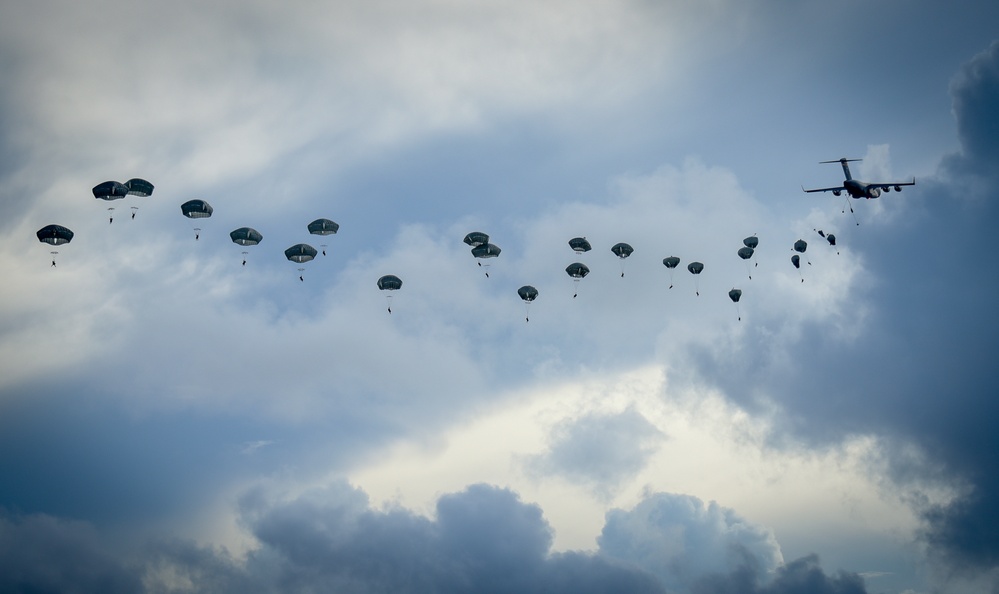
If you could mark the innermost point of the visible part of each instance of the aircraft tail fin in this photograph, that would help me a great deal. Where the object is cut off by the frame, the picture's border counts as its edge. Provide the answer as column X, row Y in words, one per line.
column 846, row 168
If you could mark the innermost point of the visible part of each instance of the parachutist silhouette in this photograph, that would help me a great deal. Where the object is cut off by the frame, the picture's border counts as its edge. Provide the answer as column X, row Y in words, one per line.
column 133, row 216
column 244, row 262
column 53, row 264
column 301, row 278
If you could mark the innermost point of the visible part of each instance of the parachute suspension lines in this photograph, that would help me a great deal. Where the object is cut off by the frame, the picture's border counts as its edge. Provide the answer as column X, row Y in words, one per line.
column 110, row 215
column 850, row 206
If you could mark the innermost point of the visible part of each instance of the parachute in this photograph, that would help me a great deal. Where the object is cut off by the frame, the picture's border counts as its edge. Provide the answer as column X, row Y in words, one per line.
column 671, row 263
column 110, row 190
column 751, row 242
column 139, row 187
column 579, row 245
column 389, row 282
column 746, row 253
column 528, row 294
column 323, row 227
column 735, row 295
column 800, row 246
column 196, row 209
column 54, row 235
column 246, row 236
column 577, row 271
column 695, row 268
column 300, row 253
column 486, row 250
column 829, row 237
column 622, row 251
column 476, row 238
column 797, row 264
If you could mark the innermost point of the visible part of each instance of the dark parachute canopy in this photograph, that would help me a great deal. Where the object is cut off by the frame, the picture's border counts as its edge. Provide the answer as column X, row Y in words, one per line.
column 695, row 268
column 323, row 227
column 389, row 282
column 622, row 251
column 528, row 294
column 246, row 236
column 671, row 263
column 54, row 235
column 577, row 271
column 300, row 253
column 751, row 242
column 110, row 190
column 196, row 209
column 486, row 250
column 139, row 187
column 579, row 245
column 476, row 238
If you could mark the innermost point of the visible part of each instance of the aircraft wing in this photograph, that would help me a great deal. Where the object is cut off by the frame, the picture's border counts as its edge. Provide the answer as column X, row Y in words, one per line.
column 893, row 185
column 837, row 189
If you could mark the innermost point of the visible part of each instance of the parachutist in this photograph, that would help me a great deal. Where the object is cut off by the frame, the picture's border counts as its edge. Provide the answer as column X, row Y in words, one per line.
column 244, row 262
column 53, row 264
column 110, row 220
column 197, row 236
column 324, row 252
column 390, row 310
column 133, row 216
column 301, row 278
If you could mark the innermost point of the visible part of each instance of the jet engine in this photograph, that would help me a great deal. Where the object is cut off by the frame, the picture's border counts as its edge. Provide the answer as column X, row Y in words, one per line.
column 898, row 188
column 873, row 192
column 837, row 192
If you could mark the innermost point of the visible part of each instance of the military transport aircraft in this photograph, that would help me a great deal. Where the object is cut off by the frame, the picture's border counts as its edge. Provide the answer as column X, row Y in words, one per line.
column 859, row 189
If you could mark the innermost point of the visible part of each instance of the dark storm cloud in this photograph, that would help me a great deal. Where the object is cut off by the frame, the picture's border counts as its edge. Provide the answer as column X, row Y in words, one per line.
column 801, row 576
column 923, row 368
column 483, row 539
column 40, row 553
column 599, row 450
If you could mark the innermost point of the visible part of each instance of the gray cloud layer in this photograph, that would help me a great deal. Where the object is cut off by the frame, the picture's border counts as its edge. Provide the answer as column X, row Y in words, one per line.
column 483, row 539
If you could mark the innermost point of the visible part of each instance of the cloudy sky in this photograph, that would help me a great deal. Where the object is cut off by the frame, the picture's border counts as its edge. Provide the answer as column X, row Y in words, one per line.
column 174, row 421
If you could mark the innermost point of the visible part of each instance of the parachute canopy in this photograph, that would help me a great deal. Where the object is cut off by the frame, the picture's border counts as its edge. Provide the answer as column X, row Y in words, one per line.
column 139, row 187
column 246, row 236
column 746, row 253
column 751, row 242
column 695, row 267
column 323, row 227
column 735, row 295
column 476, row 238
column 579, row 245
column 622, row 250
column 528, row 293
column 796, row 261
column 577, row 270
column 486, row 250
column 196, row 209
column 831, row 239
column 110, row 190
column 389, row 282
column 800, row 246
column 300, row 253
column 54, row 235
column 671, row 262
